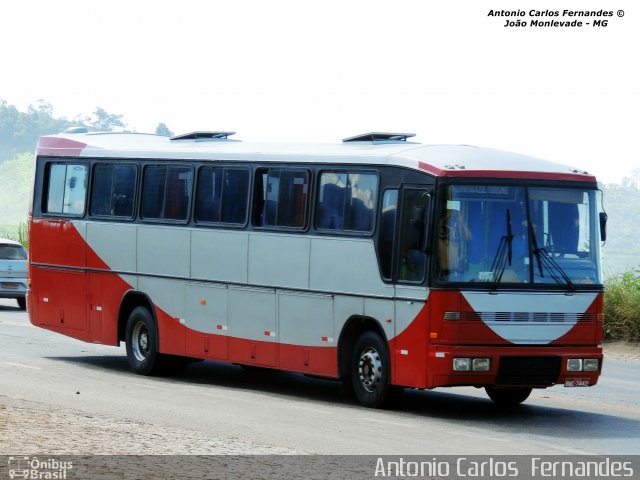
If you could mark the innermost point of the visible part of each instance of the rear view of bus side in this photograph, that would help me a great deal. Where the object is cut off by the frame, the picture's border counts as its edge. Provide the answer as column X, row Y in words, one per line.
column 377, row 261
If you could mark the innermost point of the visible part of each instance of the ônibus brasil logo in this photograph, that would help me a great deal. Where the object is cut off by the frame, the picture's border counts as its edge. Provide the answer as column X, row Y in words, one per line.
column 35, row 468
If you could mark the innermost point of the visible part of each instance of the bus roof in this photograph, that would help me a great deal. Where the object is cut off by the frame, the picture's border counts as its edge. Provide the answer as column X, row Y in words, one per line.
column 437, row 160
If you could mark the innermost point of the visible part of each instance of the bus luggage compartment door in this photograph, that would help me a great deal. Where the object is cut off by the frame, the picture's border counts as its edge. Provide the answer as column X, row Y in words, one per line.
column 252, row 326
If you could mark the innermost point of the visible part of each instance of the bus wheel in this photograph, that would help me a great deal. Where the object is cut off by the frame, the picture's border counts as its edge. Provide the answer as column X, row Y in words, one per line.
column 508, row 396
column 370, row 370
column 141, row 342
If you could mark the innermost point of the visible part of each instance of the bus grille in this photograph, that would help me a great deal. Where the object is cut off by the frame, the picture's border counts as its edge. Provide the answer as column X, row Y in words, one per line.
column 544, row 317
column 528, row 371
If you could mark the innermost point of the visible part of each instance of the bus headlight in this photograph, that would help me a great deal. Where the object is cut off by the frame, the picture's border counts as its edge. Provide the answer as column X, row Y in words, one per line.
column 574, row 365
column 461, row 364
column 590, row 364
column 471, row 364
column 583, row 365
column 481, row 364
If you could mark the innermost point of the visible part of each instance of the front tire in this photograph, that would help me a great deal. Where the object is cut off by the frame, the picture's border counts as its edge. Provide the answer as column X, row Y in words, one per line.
column 508, row 397
column 370, row 370
column 141, row 339
column 22, row 303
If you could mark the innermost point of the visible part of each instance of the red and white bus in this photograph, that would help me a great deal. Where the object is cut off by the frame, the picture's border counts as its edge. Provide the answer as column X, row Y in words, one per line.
column 377, row 261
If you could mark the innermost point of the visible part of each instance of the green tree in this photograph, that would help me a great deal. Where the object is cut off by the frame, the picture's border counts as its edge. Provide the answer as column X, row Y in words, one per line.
column 8, row 119
column 19, row 131
column 162, row 129
column 103, row 121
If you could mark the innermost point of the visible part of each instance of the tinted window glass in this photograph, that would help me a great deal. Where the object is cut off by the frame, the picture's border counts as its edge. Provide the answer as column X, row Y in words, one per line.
column 347, row 201
column 563, row 232
column 387, row 229
column 498, row 234
column 113, row 190
column 166, row 192
column 281, row 198
column 66, row 188
column 12, row 252
column 413, row 234
column 222, row 195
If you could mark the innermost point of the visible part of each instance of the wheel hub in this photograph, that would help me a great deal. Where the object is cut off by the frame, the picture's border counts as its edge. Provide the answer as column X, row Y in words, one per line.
column 140, row 342
column 370, row 369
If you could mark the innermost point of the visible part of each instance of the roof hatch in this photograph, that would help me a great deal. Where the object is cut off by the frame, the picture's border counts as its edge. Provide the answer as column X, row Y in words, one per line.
column 203, row 136
column 380, row 137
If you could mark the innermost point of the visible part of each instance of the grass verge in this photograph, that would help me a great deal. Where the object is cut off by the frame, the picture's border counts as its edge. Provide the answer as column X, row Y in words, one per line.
column 622, row 307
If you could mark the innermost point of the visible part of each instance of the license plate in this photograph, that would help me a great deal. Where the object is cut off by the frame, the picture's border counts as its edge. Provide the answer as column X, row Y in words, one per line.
column 576, row 382
column 9, row 285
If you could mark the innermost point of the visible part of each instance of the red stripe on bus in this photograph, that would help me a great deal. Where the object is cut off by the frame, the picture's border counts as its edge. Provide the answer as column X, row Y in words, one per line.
column 515, row 174
column 59, row 146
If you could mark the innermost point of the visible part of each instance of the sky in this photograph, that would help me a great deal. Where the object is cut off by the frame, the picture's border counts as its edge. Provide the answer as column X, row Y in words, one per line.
column 320, row 71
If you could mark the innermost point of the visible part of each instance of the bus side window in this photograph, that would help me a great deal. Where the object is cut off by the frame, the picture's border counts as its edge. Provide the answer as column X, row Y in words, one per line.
column 387, row 230
column 413, row 234
column 124, row 190
column 113, row 190
column 281, row 198
column 347, row 201
column 101, row 191
column 235, row 190
column 221, row 195
column 66, row 186
column 166, row 192
column 259, row 195
column 332, row 201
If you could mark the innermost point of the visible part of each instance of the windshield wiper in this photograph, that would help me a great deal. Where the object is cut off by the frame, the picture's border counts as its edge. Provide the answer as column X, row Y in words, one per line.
column 544, row 259
column 555, row 270
column 503, row 255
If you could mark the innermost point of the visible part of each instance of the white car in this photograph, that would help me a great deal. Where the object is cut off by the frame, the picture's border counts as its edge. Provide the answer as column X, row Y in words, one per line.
column 13, row 271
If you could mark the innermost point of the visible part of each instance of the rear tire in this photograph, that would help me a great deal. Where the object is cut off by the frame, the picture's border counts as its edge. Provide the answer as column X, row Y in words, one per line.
column 508, row 396
column 141, row 339
column 370, row 370
column 22, row 303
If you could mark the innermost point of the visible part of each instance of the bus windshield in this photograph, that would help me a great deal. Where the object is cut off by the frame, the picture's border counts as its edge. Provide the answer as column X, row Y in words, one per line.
column 500, row 234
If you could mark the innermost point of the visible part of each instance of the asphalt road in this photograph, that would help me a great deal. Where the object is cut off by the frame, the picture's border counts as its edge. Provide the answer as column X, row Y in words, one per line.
column 86, row 385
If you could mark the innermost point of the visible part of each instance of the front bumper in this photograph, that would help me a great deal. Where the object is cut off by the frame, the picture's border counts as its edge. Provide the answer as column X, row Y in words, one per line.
column 512, row 366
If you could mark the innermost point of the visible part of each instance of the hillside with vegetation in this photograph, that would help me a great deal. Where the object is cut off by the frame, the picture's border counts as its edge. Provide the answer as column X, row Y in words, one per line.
column 621, row 251
column 621, row 260
column 19, row 132
column 15, row 188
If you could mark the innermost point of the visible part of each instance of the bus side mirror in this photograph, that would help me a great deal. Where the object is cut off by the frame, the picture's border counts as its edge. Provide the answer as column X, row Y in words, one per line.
column 603, row 226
